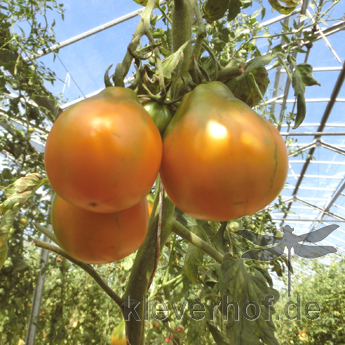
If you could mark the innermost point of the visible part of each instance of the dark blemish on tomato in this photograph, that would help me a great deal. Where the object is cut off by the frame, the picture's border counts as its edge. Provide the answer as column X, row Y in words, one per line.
column 238, row 203
column 93, row 204
column 116, row 135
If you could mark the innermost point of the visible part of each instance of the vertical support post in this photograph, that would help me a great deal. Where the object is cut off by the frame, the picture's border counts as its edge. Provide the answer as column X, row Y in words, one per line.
column 37, row 298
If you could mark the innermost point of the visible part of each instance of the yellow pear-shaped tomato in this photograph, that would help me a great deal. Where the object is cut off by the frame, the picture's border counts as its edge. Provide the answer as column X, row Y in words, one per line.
column 103, row 154
column 221, row 160
column 99, row 238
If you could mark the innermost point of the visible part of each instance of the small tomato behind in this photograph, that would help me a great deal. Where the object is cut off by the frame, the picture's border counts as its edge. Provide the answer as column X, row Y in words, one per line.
column 23, row 221
column 160, row 114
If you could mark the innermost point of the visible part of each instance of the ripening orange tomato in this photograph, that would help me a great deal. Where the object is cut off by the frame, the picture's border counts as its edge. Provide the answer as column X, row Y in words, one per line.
column 104, row 153
column 221, row 160
column 99, row 238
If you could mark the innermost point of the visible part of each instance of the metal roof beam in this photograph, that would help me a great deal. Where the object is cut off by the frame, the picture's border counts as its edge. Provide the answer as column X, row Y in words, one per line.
column 321, row 127
column 334, row 197
column 319, row 176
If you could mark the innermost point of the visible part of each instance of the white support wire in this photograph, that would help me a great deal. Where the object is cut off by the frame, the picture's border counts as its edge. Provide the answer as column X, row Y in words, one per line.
column 89, row 33
column 309, row 124
column 317, row 162
column 311, row 100
column 301, row 134
column 311, row 188
column 279, row 100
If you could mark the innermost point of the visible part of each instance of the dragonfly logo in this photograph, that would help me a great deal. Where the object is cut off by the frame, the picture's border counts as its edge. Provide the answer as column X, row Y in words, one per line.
column 289, row 241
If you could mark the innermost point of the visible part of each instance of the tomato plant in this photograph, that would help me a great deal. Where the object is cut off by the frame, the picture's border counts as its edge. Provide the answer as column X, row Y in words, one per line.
column 160, row 114
column 103, row 154
column 99, row 238
column 221, row 160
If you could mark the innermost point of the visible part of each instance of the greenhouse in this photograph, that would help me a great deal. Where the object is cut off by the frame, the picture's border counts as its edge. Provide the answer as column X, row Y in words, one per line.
column 172, row 172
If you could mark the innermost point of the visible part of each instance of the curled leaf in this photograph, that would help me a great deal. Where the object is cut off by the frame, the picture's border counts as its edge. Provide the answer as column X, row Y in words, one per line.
column 214, row 9
column 301, row 78
column 284, row 9
column 141, row 2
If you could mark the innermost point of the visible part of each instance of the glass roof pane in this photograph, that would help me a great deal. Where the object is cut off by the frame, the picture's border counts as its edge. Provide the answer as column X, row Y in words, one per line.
column 81, row 16
column 328, row 59
column 80, row 67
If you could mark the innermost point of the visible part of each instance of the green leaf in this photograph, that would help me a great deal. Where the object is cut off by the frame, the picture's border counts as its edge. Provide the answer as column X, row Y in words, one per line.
column 234, row 9
column 217, row 335
column 215, row 9
column 172, row 61
column 3, row 248
column 194, row 258
column 209, row 228
column 16, row 195
column 141, row 2
column 251, row 88
column 265, row 274
column 21, row 264
column 291, row 5
column 219, row 241
column 256, row 63
column 243, row 287
column 301, row 78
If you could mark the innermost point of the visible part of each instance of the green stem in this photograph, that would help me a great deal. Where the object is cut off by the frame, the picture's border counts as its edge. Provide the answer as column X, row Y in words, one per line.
column 160, row 71
column 87, row 268
column 229, row 73
column 201, row 30
column 182, row 26
column 163, row 13
column 217, row 66
column 144, row 266
column 142, row 29
column 46, row 232
column 182, row 33
column 169, row 282
column 183, row 232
